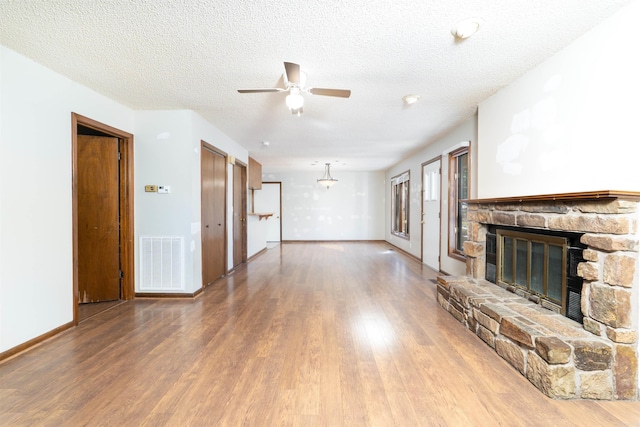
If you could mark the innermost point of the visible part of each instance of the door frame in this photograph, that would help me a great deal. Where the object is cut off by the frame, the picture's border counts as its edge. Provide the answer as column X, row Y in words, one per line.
column 126, row 192
column 243, row 210
column 422, row 213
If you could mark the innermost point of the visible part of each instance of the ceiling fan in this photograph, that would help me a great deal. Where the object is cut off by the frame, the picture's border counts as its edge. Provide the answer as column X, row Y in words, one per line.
column 294, row 81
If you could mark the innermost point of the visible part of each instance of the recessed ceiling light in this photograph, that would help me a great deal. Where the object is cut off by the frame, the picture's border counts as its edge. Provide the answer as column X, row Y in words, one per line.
column 265, row 143
column 410, row 99
column 466, row 28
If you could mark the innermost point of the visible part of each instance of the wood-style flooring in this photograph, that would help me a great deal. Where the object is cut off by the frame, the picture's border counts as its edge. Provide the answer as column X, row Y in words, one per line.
column 306, row 334
column 88, row 310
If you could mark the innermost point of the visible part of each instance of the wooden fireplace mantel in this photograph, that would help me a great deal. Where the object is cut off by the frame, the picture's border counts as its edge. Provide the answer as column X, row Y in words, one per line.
column 588, row 195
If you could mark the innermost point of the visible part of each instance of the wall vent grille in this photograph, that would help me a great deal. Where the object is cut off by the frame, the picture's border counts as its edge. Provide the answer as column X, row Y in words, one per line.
column 161, row 263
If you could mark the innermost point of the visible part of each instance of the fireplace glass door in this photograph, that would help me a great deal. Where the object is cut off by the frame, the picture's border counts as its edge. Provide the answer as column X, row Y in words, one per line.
column 534, row 264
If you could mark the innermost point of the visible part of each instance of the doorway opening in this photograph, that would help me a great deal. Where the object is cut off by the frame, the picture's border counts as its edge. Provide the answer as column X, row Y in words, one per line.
column 102, row 211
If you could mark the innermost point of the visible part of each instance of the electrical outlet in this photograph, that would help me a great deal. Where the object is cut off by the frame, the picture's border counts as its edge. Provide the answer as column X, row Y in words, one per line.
column 150, row 188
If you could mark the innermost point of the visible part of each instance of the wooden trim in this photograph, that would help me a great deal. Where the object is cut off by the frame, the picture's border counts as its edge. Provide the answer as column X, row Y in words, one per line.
column 163, row 295
column 403, row 252
column 428, row 162
column 239, row 168
column 452, row 194
column 587, row 195
column 245, row 226
column 407, row 202
column 257, row 254
column 126, row 205
column 7, row 354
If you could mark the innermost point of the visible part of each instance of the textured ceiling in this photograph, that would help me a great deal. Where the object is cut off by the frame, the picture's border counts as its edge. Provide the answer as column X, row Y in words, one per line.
column 195, row 54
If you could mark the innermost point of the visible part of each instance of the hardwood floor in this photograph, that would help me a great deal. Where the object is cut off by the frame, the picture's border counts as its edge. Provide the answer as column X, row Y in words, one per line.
column 325, row 334
column 88, row 310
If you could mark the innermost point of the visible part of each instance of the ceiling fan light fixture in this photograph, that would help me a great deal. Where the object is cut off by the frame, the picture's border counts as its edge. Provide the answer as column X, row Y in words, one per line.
column 466, row 28
column 294, row 99
column 327, row 180
column 294, row 82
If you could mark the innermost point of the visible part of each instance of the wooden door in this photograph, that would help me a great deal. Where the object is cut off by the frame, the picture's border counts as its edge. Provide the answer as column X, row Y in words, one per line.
column 213, row 178
column 239, row 214
column 98, row 219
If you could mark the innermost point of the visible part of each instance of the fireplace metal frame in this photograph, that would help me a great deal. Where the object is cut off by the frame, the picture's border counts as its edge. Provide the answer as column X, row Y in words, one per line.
column 551, row 303
column 572, row 288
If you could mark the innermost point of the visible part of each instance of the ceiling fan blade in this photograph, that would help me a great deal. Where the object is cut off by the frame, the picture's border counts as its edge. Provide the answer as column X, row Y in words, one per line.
column 273, row 89
column 342, row 93
column 293, row 73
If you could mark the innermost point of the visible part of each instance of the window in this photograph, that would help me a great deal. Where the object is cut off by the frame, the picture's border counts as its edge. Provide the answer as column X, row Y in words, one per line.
column 458, row 191
column 400, row 205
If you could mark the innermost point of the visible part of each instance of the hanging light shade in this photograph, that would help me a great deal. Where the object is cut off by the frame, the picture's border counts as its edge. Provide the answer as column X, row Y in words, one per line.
column 294, row 100
column 326, row 179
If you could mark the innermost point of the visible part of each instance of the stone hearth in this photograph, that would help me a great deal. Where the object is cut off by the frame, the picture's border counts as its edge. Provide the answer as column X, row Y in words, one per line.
column 564, row 359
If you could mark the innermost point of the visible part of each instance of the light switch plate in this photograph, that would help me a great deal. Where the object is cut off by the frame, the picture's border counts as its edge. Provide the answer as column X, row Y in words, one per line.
column 164, row 189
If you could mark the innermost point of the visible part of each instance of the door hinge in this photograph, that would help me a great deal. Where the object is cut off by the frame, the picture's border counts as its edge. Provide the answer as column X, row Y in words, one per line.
column 121, row 274
column 119, row 156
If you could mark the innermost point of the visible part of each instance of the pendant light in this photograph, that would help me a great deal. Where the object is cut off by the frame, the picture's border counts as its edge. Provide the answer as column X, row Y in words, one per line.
column 326, row 179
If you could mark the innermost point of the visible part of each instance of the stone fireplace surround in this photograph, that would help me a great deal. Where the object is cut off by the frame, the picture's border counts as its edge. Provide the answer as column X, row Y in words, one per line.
column 562, row 358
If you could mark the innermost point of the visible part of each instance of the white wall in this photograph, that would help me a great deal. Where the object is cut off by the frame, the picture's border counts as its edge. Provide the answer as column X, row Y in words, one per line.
column 257, row 234
column 167, row 152
column 350, row 210
column 577, row 110
column 36, row 277
column 466, row 131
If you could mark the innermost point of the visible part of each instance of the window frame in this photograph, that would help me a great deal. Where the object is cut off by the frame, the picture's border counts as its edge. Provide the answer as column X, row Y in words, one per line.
column 457, row 205
column 400, row 185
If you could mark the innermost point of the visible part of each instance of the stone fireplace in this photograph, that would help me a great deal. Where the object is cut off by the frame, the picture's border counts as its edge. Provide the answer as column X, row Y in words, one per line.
column 593, row 356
